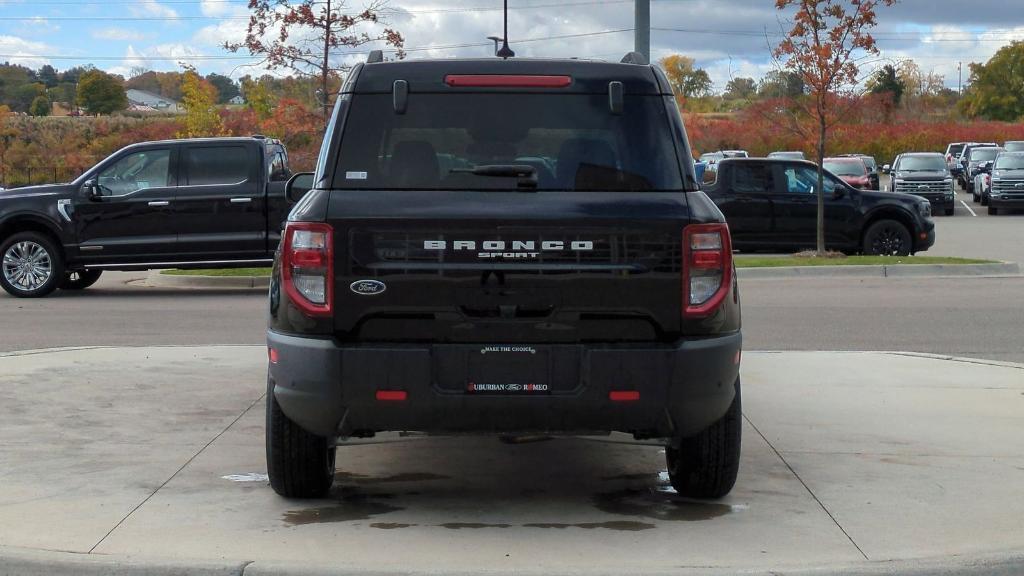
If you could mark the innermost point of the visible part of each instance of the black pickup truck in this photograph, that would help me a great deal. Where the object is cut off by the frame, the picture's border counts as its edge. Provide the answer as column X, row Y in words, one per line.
column 773, row 205
column 215, row 202
column 505, row 247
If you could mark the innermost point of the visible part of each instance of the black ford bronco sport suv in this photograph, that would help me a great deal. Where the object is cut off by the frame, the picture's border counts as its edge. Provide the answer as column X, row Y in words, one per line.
column 504, row 247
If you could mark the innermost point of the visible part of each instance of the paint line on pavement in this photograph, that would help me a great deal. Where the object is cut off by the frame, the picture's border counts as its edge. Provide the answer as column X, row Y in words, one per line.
column 968, row 208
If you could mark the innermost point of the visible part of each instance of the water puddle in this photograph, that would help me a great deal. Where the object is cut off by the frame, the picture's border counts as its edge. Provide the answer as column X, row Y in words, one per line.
column 471, row 525
column 354, row 478
column 659, row 504
column 621, row 525
column 350, row 505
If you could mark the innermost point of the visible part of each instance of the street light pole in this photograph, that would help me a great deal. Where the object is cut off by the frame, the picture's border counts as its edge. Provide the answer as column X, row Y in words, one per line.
column 642, row 28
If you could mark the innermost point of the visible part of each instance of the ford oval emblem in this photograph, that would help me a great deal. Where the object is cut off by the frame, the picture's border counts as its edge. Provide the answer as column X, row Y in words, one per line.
column 367, row 287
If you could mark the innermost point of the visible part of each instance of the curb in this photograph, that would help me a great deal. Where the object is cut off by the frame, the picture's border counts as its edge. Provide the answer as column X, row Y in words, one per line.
column 157, row 280
column 883, row 271
column 32, row 562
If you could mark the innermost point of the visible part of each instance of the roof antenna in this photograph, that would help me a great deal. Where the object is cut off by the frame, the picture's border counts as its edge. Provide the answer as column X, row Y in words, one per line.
column 505, row 51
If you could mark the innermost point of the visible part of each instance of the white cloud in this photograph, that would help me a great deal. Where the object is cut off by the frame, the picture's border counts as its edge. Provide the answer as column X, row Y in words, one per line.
column 151, row 8
column 39, row 24
column 118, row 34
column 24, row 52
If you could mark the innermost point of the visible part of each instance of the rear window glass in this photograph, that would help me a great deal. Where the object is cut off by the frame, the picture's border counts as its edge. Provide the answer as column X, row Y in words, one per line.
column 955, row 149
column 846, row 167
column 572, row 142
column 1014, row 146
column 922, row 163
column 984, row 154
column 216, row 165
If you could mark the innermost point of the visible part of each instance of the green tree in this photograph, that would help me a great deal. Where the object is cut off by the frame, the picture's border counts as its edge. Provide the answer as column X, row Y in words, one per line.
column 996, row 89
column 226, row 87
column 200, row 100
column 740, row 89
column 885, row 80
column 101, row 93
column 258, row 97
column 40, row 106
column 686, row 79
column 781, row 84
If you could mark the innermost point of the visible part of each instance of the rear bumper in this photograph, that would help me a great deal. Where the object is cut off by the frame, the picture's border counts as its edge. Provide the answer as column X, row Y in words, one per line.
column 330, row 390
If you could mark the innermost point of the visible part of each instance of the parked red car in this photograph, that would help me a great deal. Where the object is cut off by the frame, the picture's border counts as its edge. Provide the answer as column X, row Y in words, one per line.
column 853, row 171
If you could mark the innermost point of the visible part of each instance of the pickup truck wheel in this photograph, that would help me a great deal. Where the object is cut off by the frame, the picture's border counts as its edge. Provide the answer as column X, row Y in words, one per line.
column 32, row 265
column 887, row 238
column 300, row 464
column 80, row 279
column 984, row 200
column 950, row 211
column 706, row 465
column 993, row 211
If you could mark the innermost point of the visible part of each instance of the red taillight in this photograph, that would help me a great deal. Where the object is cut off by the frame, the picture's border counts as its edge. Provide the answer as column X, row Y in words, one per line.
column 506, row 81
column 707, row 268
column 624, row 395
column 272, row 353
column 392, row 395
column 307, row 266
column 988, row 179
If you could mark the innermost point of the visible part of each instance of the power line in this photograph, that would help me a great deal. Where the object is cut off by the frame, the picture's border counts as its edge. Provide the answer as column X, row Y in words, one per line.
column 386, row 10
column 199, row 57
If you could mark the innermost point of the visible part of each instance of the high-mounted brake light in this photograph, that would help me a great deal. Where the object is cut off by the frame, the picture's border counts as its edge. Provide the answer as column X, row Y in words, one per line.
column 506, row 81
column 707, row 268
column 307, row 266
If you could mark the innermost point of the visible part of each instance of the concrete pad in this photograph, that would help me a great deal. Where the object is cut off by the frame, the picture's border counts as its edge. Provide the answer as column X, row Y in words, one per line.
column 155, row 455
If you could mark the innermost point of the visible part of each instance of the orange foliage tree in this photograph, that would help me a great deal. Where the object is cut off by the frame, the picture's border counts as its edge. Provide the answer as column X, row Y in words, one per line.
column 822, row 47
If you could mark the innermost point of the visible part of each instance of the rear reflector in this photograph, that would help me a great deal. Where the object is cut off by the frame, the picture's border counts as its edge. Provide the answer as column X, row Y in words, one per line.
column 392, row 395
column 273, row 355
column 506, row 81
column 624, row 395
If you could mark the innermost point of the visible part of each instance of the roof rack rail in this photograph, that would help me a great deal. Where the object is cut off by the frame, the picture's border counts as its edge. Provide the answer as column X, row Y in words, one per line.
column 375, row 57
column 259, row 136
column 634, row 58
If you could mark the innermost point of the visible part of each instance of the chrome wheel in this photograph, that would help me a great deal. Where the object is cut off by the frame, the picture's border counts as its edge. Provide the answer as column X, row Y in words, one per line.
column 27, row 266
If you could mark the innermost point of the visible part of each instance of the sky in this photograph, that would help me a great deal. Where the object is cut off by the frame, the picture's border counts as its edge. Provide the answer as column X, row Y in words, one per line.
column 729, row 38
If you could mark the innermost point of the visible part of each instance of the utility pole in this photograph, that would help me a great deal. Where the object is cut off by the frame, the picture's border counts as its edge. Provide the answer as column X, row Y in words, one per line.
column 642, row 28
column 959, row 78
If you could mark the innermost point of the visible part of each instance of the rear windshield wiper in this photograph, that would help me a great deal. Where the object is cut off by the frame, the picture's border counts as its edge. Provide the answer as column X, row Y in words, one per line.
column 526, row 174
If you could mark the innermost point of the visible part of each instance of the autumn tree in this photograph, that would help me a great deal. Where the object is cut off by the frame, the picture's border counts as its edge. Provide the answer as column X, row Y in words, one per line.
column 303, row 36
column 686, row 79
column 101, row 93
column 199, row 98
column 258, row 97
column 823, row 47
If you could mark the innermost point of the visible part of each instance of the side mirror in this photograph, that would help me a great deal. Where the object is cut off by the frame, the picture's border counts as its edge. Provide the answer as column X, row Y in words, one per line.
column 886, row 169
column 298, row 185
column 92, row 190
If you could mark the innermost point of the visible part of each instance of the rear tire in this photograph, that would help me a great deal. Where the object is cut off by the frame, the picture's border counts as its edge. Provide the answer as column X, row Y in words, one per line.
column 950, row 211
column 887, row 238
column 80, row 279
column 993, row 211
column 31, row 265
column 299, row 464
column 706, row 465
column 984, row 200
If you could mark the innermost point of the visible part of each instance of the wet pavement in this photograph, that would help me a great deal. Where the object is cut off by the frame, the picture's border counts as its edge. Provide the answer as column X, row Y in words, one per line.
column 848, row 459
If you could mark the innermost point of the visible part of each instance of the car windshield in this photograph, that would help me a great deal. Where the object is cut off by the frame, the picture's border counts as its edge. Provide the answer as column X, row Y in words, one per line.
column 572, row 142
column 1010, row 162
column 846, row 167
column 984, row 154
column 922, row 164
column 1017, row 146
